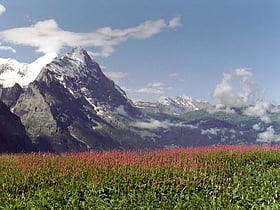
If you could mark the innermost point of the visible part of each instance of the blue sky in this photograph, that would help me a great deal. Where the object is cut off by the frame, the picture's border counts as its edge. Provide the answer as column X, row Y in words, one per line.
column 204, row 49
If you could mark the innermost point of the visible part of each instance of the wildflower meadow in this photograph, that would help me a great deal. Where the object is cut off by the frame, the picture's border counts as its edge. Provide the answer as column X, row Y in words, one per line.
column 218, row 177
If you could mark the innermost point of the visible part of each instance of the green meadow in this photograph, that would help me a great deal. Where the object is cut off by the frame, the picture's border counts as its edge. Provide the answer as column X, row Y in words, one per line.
column 219, row 177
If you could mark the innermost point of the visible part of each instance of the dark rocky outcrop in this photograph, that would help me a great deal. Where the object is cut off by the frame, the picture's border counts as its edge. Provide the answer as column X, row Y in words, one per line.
column 10, row 95
column 13, row 136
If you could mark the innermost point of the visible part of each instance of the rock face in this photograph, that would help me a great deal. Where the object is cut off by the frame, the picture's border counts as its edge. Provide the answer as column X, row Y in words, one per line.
column 11, row 94
column 72, row 105
column 13, row 137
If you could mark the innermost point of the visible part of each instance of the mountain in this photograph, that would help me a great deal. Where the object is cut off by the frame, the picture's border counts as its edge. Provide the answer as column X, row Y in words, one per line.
column 72, row 105
column 12, row 71
column 211, row 127
column 10, row 95
column 13, row 136
column 176, row 106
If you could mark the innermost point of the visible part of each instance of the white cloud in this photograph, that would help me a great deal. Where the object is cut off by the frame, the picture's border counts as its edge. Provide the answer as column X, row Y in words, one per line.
column 257, row 127
column 46, row 36
column 152, row 88
column 237, row 88
column 152, row 124
column 2, row 9
column 156, row 84
column 210, row 131
column 155, row 88
column 155, row 124
column 175, row 22
column 220, row 108
column 7, row 48
column 120, row 109
column 268, row 136
column 260, row 109
column 149, row 90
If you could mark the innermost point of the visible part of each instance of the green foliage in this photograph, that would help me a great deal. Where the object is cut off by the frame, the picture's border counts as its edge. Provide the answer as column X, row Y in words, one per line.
column 233, row 118
column 224, row 177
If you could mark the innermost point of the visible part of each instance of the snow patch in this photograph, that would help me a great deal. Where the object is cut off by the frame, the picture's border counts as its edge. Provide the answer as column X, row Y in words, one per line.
column 166, row 101
column 77, row 54
column 121, row 91
column 12, row 71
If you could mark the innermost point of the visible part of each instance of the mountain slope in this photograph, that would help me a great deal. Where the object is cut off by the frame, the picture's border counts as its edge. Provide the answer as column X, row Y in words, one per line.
column 10, row 95
column 13, row 137
column 72, row 105
column 12, row 71
column 211, row 127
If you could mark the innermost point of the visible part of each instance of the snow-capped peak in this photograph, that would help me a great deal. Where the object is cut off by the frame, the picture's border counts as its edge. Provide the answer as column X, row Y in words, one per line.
column 75, row 64
column 12, row 71
column 78, row 54
column 166, row 100
column 180, row 104
column 44, row 60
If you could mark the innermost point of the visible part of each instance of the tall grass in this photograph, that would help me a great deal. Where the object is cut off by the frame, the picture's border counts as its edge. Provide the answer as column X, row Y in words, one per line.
column 221, row 177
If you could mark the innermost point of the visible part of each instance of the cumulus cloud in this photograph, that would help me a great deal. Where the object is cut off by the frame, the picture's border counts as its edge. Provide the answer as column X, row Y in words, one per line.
column 237, row 88
column 268, row 136
column 46, row 36
column 260, row 109
column 220, row 108
column 2, row 9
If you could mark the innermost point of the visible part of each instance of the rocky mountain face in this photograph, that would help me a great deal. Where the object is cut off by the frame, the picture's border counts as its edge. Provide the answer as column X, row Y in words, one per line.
column 73, row 106
column 13, row 137
column 10, row 95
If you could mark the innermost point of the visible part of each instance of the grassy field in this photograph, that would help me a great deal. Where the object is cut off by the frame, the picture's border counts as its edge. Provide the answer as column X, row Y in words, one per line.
column 222, row 177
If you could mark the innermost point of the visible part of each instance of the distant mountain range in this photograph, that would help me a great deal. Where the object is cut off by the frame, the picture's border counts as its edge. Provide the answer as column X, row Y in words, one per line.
column 67, row 104
column 177, row 106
